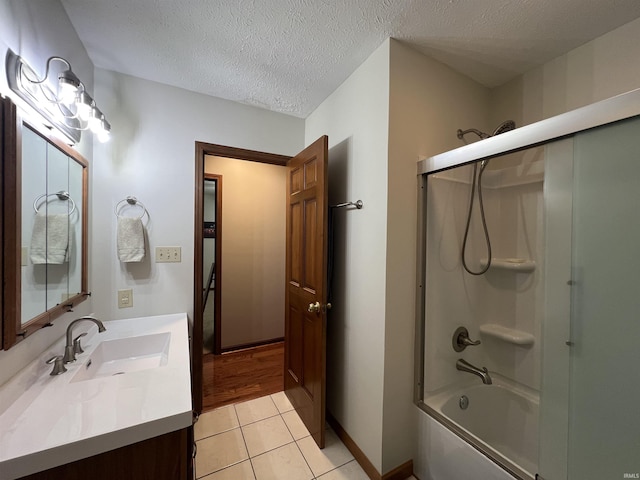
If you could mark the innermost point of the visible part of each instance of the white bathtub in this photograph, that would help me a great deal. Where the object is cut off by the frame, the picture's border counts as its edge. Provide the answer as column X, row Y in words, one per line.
column 503, row 422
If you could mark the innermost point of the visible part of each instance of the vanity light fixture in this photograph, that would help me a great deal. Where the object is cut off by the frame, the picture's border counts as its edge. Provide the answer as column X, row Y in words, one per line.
column 60, row 98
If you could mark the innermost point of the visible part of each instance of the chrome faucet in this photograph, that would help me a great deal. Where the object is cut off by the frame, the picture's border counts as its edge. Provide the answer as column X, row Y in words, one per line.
column 70, row 348
column 483, row 373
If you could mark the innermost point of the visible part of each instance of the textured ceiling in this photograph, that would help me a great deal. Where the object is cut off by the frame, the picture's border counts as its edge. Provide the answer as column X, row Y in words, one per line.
column 289, row 55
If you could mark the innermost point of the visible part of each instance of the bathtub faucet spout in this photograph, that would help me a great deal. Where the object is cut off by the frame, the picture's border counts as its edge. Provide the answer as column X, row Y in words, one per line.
column 483, row 373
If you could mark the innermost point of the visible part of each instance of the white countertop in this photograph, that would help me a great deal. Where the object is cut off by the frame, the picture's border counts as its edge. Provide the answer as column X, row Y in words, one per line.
column 54, row 421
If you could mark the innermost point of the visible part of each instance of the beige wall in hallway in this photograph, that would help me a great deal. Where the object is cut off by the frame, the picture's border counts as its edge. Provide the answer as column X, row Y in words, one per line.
column 253, row 249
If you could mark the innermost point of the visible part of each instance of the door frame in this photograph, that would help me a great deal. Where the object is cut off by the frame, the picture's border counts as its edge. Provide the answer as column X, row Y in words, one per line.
column 217, row 338
column 203, row 149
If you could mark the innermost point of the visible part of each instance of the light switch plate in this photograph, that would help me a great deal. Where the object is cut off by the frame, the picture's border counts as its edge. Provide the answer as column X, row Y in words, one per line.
column 168, row 254
column 125, row 298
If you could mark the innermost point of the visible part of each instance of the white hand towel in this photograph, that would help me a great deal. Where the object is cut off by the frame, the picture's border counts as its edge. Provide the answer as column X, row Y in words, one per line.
column 50, row 239
column 130, row 239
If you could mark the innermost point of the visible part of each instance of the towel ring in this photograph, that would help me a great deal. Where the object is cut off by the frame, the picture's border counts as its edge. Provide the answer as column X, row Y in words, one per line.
column 133, row 201
column 62, row 195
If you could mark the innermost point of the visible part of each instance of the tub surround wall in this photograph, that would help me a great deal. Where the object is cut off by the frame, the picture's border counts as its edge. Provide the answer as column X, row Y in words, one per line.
column 508, row 298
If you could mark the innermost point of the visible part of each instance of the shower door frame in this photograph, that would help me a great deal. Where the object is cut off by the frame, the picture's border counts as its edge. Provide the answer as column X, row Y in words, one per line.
column 614, row 109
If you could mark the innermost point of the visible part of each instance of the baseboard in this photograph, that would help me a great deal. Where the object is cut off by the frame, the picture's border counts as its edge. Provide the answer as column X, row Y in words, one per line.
column 246, row 346
column 399, row 473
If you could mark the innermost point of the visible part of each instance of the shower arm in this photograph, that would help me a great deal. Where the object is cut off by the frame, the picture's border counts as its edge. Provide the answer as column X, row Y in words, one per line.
column 462, row 133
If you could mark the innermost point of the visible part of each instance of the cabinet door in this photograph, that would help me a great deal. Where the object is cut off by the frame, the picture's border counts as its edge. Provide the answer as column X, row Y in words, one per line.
column 159, row 458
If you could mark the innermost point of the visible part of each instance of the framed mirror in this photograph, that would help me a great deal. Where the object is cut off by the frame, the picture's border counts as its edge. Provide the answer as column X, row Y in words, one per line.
column 45, row 188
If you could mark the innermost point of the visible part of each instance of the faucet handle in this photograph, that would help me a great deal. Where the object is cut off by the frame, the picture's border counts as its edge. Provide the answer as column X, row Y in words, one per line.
column 69, row 354
column 58, row 365
column 77, row 348
column 461, row 339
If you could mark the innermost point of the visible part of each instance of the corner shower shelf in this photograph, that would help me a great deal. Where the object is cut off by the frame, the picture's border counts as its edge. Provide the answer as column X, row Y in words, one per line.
column 513, row 264
column 510, row 335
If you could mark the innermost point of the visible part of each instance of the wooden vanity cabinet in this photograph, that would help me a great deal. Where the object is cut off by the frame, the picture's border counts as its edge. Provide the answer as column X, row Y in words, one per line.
column 166, row 457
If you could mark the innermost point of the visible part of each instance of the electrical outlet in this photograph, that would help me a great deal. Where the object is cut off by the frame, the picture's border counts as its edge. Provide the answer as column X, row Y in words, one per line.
column 125, row 298
column 168, row 254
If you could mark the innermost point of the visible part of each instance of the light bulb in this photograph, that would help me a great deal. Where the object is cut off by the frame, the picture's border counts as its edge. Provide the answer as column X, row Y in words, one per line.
column 68, row 85
column 95, row 120
column 83, row 106
column 104, row 133
column 67, row 93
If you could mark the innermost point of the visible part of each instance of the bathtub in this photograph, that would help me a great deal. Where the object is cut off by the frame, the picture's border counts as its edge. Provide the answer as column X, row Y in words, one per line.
column 499, row 420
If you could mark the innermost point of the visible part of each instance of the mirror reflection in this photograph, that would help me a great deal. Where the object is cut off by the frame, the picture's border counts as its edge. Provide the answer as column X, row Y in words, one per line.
column 44, row 228
column 51, row 269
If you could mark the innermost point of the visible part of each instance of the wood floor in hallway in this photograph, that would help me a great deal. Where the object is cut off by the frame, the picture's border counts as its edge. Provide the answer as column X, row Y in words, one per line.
column 242, row 375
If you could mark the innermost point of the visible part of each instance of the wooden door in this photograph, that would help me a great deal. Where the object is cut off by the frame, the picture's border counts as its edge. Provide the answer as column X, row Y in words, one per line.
column 306, row 286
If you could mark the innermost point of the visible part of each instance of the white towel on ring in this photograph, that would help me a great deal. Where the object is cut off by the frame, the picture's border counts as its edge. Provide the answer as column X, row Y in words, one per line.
column 50, row 239
column 130, row 239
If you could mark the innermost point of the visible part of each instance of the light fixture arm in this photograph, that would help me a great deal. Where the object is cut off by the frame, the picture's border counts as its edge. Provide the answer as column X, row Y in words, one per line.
column 46, row 73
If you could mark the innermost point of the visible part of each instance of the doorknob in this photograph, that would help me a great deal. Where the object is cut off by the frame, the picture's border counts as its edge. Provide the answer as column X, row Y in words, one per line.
column 318, row 307
column 314, row 307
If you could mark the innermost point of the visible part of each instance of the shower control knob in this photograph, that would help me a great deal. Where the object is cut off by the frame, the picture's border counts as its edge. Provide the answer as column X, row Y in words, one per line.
column 461, row 339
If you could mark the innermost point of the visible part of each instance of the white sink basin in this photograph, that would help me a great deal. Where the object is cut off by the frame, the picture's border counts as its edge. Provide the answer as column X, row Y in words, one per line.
column 125, row 355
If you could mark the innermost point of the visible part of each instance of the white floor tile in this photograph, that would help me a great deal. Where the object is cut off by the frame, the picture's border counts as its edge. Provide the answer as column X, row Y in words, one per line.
column 282, row 402
column 240, row 471
column 266, row 435
column 284, row 463
column 334, row 454
column 216, row 421
column 220, row 451
column 295, row 425
column 255, row 410
column 350, row 471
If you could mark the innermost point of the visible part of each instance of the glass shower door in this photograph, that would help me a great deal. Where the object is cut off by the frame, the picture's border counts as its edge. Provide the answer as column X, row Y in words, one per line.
column 604, row 394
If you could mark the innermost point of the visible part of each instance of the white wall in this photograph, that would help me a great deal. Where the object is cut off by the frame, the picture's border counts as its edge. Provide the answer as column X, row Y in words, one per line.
column 355, row 117
column 371, row 325
column 428, row 102
column 252, row 235
column 597, row 70
column 37, row 30
column 152, row 156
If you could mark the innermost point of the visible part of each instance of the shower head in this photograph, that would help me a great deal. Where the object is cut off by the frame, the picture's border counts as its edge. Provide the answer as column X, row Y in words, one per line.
column 505, row 126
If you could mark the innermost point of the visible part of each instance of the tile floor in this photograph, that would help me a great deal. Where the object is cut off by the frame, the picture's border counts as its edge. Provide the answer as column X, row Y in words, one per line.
column 264, row 439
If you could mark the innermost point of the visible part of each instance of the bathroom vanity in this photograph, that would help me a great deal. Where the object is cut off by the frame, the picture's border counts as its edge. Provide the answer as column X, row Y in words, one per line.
column 121, row 410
